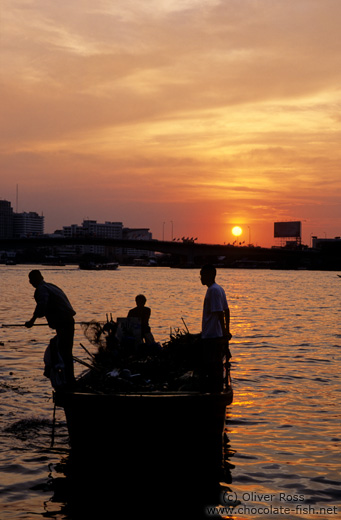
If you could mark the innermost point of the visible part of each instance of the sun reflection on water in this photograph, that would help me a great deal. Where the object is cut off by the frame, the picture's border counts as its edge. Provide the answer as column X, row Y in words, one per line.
column 283, row 425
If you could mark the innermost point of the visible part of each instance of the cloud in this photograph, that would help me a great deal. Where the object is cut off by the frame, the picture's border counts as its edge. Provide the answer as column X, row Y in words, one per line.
column 189, row 101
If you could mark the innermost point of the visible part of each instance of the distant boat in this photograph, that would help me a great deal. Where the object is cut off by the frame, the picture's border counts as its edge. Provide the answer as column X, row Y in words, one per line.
column 92, row 266
column 143, row 262
column 54, row 263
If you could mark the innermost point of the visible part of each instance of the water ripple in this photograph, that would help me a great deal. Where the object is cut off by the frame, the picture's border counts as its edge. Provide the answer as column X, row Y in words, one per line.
column 283, row 425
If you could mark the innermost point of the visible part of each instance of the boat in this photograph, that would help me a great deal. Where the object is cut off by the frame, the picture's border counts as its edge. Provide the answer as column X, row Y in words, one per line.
column 53, row 261
column 121, row 424
column 92, row 266
column 161, row 437
column 154, row 452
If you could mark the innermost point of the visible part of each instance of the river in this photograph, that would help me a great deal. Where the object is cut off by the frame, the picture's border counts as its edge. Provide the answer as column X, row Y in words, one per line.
column 283, row 426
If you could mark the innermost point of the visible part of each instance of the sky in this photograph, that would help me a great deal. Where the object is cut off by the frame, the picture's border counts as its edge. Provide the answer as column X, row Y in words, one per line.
column 183, row 116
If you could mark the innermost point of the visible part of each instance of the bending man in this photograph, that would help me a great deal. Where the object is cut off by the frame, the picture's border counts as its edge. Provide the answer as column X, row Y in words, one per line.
column 55, row 306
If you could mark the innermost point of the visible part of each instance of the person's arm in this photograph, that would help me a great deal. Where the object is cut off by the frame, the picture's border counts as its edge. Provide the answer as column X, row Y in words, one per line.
column 227, row 322
column 30, row 323
column 41, row 296
column 224, row 319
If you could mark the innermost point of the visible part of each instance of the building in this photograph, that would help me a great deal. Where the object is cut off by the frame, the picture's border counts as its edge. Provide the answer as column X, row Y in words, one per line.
column 26, row 225
column 91, row 228
column 6, row 219
column 327, row 244
column 19, row 225
column 109, row 230
column 106, row 230
column 137, row 234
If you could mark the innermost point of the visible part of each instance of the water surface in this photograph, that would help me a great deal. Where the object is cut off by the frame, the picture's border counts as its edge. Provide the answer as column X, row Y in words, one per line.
column 283, row 426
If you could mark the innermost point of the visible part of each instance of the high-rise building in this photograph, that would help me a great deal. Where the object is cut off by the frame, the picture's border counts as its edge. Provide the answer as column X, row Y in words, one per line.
column 110, row 230
column 6, row 219
column 92, row 228
column 28, row 225
column 17, row 225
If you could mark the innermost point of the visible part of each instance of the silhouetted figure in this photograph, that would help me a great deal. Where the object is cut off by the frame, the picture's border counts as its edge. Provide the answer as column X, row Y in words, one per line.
column 143, row 313
column 54, row 305
column 215, row 333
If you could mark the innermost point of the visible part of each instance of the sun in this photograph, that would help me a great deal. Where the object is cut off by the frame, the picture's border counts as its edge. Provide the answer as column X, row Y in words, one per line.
column 237, row 231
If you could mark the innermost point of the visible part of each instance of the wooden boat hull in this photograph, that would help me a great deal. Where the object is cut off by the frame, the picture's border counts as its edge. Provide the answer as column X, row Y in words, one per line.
column 159, row 450
column 118, row 425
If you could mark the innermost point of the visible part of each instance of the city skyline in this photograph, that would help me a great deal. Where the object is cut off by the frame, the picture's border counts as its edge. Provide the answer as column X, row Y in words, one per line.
column 292, row 234
column 204, row 114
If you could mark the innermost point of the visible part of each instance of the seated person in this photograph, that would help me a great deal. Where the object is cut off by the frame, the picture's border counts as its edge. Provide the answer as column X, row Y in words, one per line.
column 143, row 313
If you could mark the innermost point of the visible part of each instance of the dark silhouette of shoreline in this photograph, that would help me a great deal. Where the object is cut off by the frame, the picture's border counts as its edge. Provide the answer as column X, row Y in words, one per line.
column 182, row 254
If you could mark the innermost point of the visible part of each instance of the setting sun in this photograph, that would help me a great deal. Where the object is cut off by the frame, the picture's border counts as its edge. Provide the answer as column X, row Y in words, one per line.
column 79, row 93
column 237, row 231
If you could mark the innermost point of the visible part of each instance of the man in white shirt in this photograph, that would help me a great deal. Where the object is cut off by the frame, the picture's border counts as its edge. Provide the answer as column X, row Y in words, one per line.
column 53, row 303
column 215, row 332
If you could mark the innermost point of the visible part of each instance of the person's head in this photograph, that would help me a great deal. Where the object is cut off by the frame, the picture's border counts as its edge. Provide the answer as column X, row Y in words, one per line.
column 207, row 274
column 140, row 300
column 35, row 277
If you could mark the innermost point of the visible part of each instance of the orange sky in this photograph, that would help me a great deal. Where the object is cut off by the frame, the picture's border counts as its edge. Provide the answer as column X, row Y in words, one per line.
column 205, row 113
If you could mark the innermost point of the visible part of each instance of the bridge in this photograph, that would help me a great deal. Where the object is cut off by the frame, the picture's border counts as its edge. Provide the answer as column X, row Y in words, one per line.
column 188, row 249
column 190, row 252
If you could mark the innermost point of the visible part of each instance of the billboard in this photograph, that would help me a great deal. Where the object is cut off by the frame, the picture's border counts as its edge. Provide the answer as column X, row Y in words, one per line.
column 287, row 230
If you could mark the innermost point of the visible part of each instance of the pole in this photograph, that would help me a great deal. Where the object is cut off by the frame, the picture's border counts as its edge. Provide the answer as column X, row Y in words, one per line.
column 39, row 324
